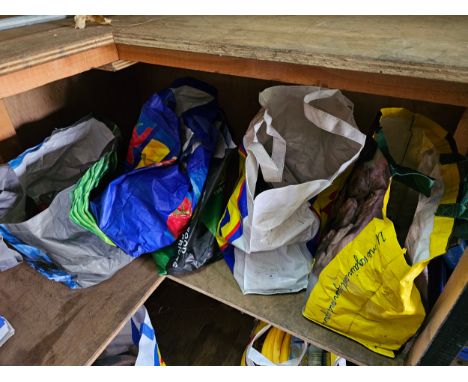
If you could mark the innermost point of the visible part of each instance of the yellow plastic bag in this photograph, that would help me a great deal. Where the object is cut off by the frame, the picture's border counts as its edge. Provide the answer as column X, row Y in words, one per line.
column 364, row 292
column 361, row 285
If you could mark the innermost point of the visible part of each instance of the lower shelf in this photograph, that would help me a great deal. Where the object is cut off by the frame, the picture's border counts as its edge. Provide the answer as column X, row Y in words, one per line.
column 283, row 311
column 58, row 326
column 55, row 325
column 195, row 330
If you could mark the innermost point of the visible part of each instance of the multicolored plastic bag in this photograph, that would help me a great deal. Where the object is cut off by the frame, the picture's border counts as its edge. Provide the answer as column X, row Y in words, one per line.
column 175, row 138
column 197, row 245
column 80, row 212
column 42, row 171
column 361, row 284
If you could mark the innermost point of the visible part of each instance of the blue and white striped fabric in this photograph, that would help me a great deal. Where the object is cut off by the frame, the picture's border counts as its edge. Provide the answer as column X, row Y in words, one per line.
column 139, row 332
column 6, row 330
column 144, row 337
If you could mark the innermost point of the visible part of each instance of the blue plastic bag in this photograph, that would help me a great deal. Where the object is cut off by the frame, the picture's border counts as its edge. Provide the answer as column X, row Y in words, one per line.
column 176, row 136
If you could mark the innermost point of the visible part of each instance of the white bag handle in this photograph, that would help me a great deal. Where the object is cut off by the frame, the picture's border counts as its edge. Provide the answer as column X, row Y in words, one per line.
column 272, row 167
column 329, row 122
column 254, row 358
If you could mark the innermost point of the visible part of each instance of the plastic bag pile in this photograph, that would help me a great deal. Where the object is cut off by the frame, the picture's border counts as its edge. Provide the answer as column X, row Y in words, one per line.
column 77, row 216
column 317, row 205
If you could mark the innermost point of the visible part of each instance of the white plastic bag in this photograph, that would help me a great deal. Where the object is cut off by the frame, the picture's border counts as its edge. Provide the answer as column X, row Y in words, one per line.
column 255, row 358
column 136, row 336
column 6, row 330
column 302, row 139
column 283, row 270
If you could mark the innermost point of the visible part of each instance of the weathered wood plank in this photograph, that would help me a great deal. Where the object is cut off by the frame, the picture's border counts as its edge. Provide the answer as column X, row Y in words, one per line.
column 58, row 326
column 37, row 44
column 434, row 47
column 370, row 83
column 445, row 329
column 35, row 76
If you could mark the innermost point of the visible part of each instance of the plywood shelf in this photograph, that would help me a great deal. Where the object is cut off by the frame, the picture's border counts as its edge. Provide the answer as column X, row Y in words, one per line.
column 398, row 56
column 55, row 325
column 431, row 47
column 283, row 311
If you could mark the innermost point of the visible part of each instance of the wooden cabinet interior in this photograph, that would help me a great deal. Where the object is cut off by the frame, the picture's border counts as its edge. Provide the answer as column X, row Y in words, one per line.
column 50, row 87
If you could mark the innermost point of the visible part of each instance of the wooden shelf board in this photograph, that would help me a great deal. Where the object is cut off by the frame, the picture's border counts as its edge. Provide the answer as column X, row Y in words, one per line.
column 33, row 45
column 55, row 325
column 283, row 311
column 430, row 47
column 445, row 92
column 423, row 58
column 412, row 46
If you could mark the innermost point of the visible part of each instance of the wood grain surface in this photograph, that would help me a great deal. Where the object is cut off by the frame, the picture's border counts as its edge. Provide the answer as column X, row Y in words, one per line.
column 431, row 47
column 402, row 56
column 440, row 316
column 453, row 93
column 55, row 325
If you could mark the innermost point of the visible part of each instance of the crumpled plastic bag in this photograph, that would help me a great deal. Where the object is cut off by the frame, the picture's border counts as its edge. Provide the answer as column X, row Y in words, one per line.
column 174, row 140
column 363, row 280
column 50, row 241
column 9, row 258
column 197, row 245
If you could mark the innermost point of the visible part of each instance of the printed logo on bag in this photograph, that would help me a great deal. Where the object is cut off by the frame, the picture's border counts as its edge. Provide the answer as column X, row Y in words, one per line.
column 182, row 243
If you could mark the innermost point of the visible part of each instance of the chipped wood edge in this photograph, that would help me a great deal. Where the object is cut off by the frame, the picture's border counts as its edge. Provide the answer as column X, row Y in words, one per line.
column 441, row 311
column 117, row 65
column 33, row 77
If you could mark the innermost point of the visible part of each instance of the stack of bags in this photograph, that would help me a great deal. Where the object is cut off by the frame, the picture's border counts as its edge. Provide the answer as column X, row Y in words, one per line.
column 354, row 219
column 77, row 216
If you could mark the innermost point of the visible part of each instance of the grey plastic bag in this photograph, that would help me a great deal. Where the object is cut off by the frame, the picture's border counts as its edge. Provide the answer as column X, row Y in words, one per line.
column 8, row 257
column 51, row 166
column 49, row 241
column 64, row 251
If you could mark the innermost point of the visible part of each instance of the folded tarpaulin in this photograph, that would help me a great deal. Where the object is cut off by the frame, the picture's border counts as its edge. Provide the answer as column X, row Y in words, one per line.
column 169, row 156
